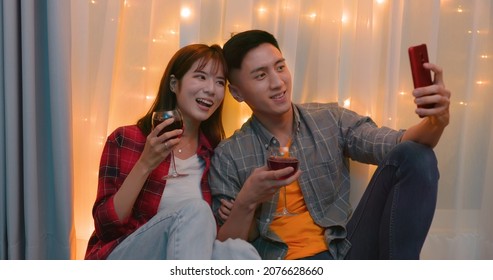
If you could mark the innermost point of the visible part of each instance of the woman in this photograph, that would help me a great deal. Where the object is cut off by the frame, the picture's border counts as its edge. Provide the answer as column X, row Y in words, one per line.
column 137, row 213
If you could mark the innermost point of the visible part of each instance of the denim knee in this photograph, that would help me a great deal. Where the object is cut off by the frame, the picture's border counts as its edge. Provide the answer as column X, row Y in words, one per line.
column 197, row 212
column 417, row 160
column 196, row 208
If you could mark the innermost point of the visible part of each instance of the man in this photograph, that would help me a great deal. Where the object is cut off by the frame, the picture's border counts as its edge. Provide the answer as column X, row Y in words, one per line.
column 396, row 210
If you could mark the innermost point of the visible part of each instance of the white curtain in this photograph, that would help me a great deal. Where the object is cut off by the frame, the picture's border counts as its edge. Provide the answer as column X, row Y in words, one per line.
column 36, row 217
column 350, row 51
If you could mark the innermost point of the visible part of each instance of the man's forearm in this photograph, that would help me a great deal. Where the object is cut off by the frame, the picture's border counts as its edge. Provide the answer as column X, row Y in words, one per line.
column 427, row 132
column 240, row 223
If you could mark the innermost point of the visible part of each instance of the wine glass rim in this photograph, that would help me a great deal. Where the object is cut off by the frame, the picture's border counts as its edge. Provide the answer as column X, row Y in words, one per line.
column 166, row 110
column 159, row 112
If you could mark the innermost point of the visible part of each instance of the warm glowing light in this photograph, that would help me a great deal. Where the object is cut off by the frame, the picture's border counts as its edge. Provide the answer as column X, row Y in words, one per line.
column 402, row 93
column 93, row 2
column 480, row 82
column 185, row 12
column 459, row 9
column 144, row 68
column 262, row 10
column 380, row 1
column 149, row 97
column 313, row 15
column 101, row 140
column 463, row 103
column 344, row 18
column 470, row 31
column 484, row 56
column 347, row 103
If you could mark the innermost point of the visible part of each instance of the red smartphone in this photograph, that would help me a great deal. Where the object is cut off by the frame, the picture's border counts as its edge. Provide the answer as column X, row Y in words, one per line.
column 417, row 56
column 421, row 76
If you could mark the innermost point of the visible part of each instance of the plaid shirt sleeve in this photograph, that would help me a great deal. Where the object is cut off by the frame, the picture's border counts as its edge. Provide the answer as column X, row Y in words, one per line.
column 223, row 179
column 363, row 140
column 106, row 222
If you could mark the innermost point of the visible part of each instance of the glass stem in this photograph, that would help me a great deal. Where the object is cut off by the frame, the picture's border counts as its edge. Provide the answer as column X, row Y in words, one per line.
column 173, row 166
column 285, row 201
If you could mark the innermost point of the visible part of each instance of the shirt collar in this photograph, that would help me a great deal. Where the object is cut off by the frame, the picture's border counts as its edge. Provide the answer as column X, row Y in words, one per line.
column 264, row 135
column 205, row 146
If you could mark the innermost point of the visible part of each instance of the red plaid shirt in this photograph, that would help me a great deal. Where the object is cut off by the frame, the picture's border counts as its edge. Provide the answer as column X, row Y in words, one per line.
column 121, row 151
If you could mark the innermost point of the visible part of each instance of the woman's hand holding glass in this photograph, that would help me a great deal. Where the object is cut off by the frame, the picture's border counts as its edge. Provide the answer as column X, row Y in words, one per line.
column 176, row 125
column 158, row 148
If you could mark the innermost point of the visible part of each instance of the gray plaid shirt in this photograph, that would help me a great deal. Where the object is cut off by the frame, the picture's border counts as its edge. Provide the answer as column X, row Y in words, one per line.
column 326, row 136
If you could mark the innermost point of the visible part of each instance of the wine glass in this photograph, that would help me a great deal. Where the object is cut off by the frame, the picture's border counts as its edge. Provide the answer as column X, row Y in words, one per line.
column 159, row 117
column 279, row 158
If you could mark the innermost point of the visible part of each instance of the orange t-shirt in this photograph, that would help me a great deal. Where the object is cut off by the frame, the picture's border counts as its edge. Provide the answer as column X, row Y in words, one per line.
column 303, row 237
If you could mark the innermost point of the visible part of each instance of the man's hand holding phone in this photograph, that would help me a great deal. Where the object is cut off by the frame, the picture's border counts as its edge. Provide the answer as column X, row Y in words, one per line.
column 418, row 56
column 431, row 96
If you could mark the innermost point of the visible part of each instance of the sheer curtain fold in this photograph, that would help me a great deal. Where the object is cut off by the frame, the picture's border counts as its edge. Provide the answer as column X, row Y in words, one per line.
column 94, row 52
column 37, row 222
column 353, row 52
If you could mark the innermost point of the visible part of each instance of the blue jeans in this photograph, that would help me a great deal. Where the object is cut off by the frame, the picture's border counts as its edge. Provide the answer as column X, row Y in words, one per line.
column 184, row 232
column 395, row 212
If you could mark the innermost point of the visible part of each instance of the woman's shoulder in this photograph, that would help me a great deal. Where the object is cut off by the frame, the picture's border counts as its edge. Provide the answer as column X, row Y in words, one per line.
column 127, row 133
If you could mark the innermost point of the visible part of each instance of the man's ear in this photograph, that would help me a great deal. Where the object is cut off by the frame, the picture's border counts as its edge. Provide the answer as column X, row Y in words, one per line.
column 172, row 83
column 235, row 93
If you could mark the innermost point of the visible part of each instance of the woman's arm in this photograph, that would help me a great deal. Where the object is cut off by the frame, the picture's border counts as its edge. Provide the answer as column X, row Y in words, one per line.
column 156, row 149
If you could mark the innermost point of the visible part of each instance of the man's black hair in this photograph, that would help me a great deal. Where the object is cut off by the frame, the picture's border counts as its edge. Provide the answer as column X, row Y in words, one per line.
column 240, row 44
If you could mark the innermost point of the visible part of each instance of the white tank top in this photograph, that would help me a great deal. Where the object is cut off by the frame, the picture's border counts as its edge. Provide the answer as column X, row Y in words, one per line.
column 180, row 189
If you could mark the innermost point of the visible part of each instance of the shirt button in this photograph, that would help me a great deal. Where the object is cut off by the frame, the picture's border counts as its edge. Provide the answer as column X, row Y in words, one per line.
column 267, row 220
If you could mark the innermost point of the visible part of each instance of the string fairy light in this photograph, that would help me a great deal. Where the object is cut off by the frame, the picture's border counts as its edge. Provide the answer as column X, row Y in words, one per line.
column 347, row 103
column 344, row 18
column 186, row 12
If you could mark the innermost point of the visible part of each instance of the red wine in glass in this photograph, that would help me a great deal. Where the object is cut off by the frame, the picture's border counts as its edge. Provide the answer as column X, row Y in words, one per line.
column 275, row 163
column 280, row 158
column 175, row 125
column 159, row 117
